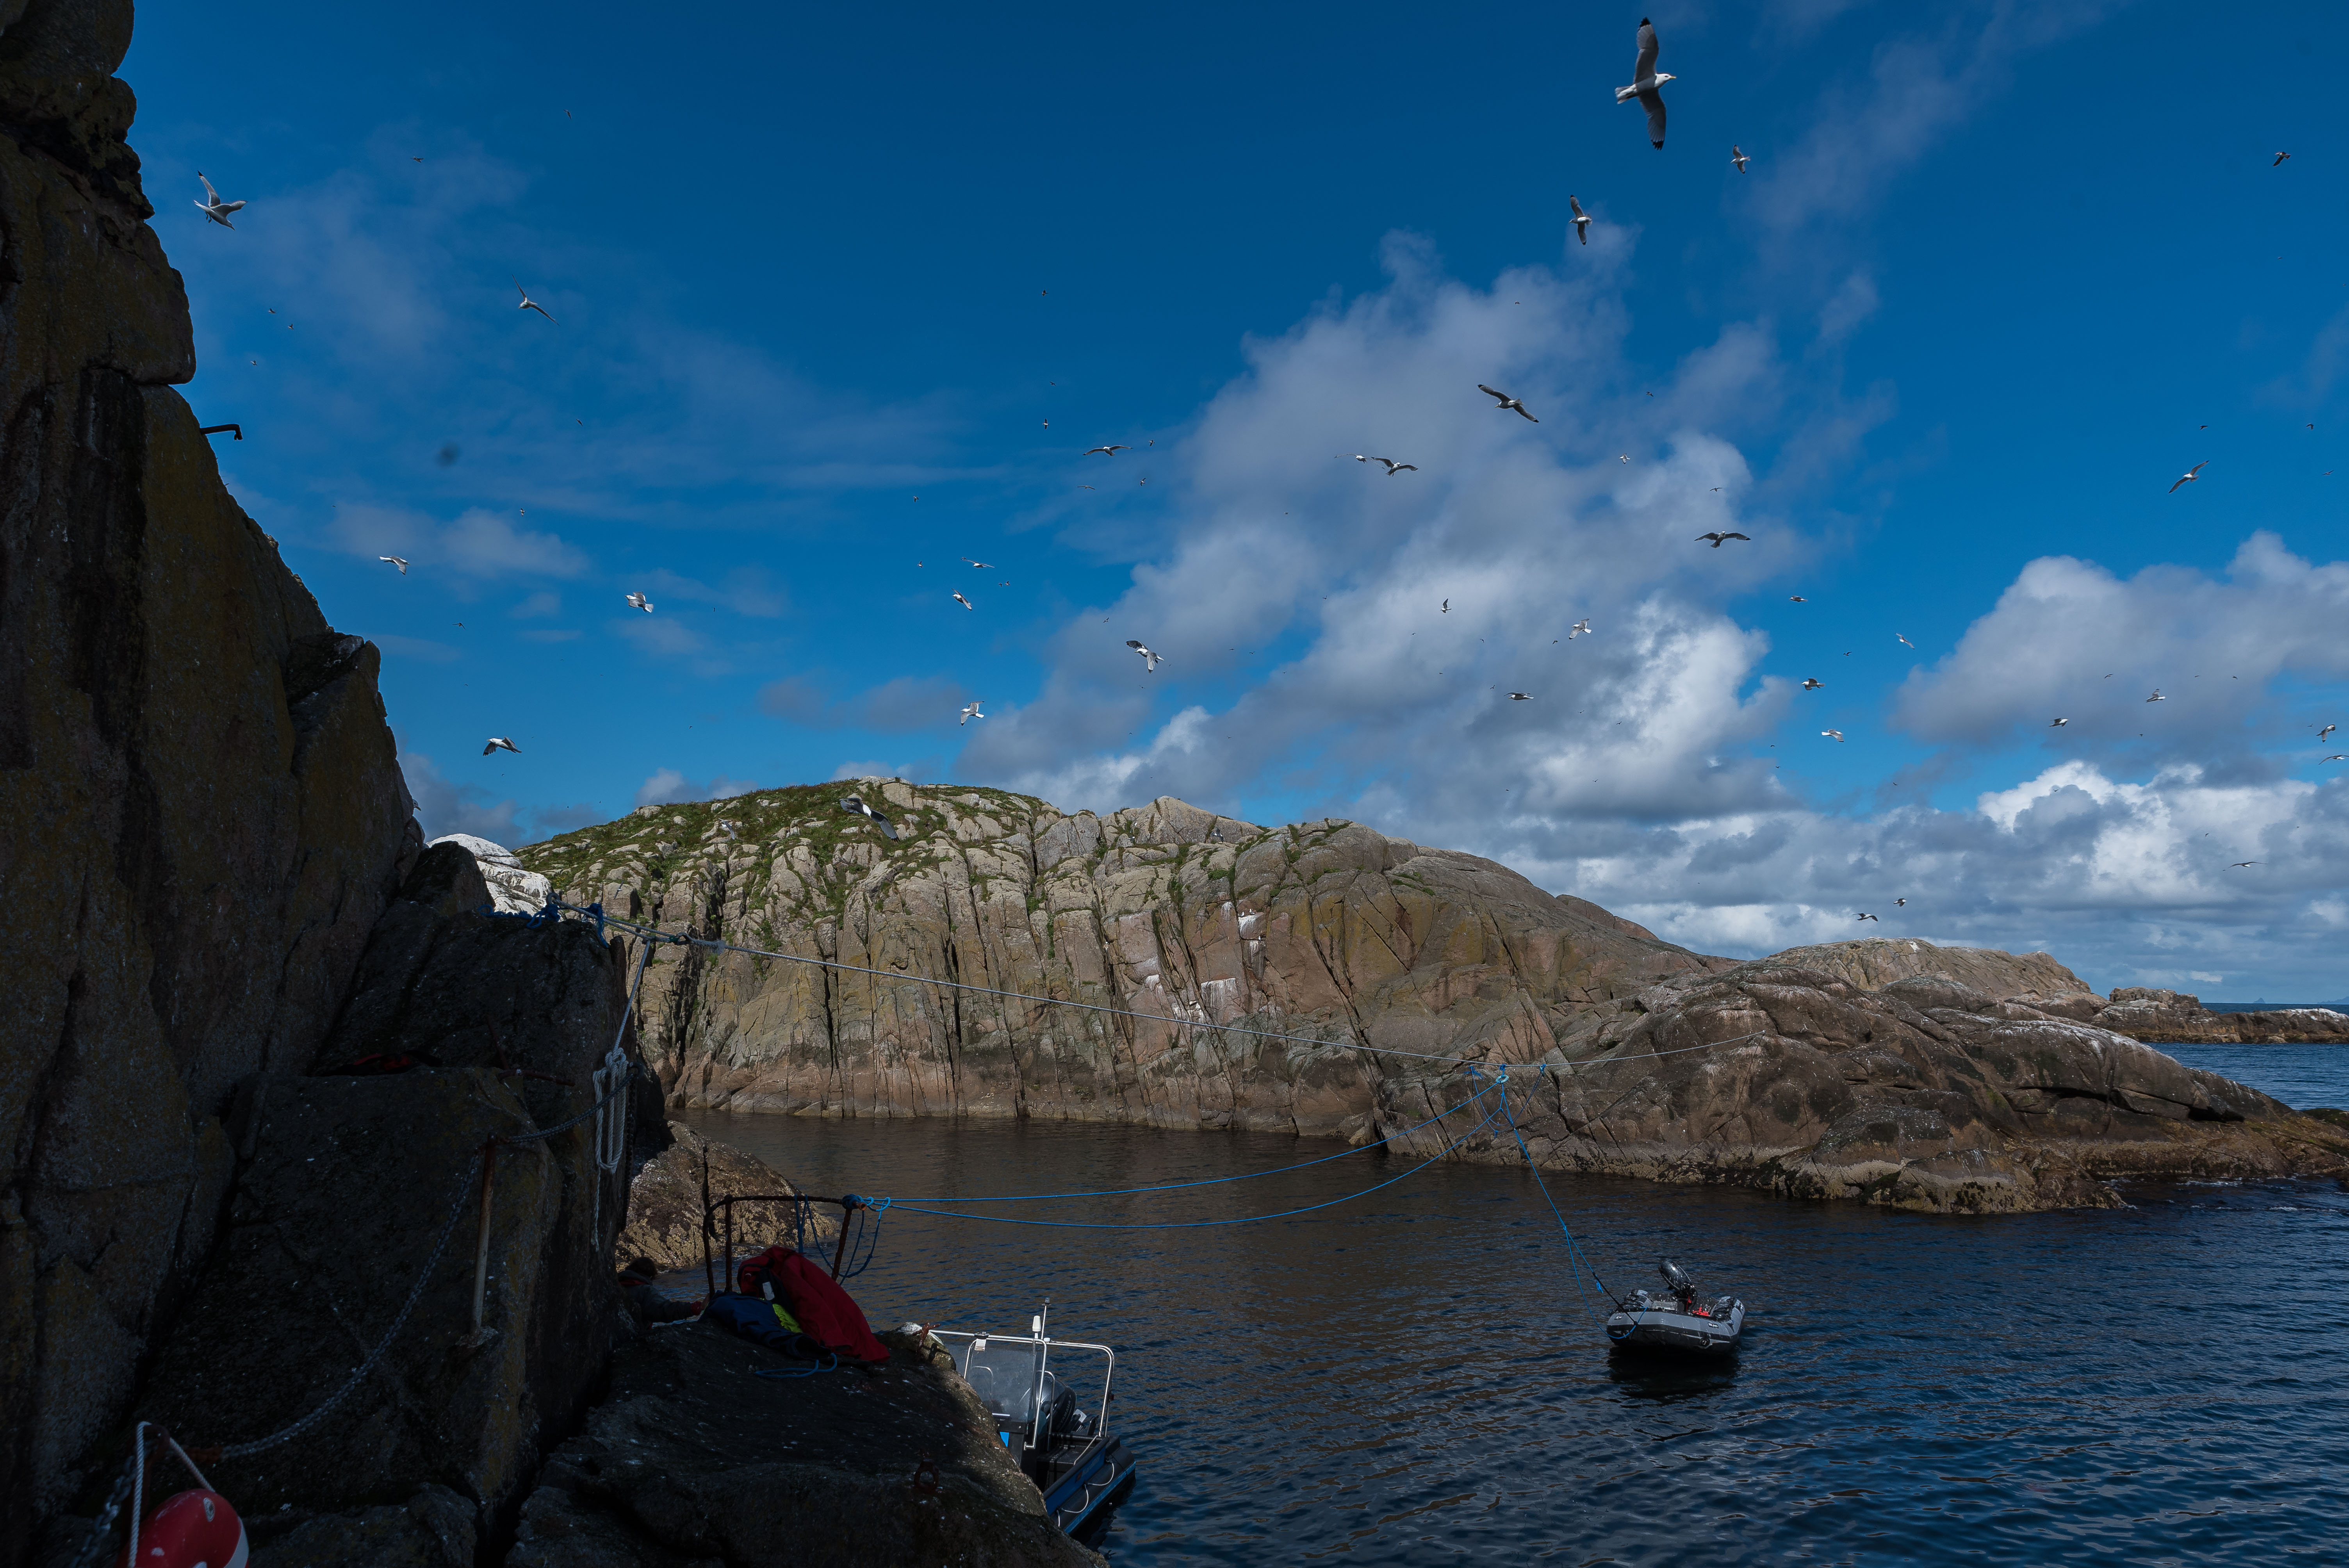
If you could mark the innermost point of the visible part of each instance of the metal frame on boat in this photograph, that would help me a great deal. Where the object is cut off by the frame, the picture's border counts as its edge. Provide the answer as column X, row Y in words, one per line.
column 1082, row 1468
column 1678, row 1322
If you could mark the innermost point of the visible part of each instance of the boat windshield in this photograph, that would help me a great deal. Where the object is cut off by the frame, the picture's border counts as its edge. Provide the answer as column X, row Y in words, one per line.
column 1004, row 1376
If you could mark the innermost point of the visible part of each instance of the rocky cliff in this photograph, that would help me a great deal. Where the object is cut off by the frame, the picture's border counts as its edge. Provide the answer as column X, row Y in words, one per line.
column 201, row 813
column 1172, row 915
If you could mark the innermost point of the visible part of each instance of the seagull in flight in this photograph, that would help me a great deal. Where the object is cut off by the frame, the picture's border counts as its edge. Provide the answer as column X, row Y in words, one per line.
column 981, row 565
column 528, row 303
column 2057, row 723
column 2326, row 730
column 1812, row 683
column 1901, row 902
column 2188, row 476
column 1503, row 401
column 2238, row 865
column 2157, row 696
column 1149, row 659
column 212, row 207
column 1581, row 219
column 970, row 711
column 1105, row 451
column 851, row 803
column 1737, row 156
column 1446, row 610
column 1871, row 917
column 1721, row 539
column 1521, row 697
column 1580, row 628
column 965, row 603
column 1646, row 83
column 638, row 601
column 1905, row 641
column 2278, row 160
column 1796, row 599
column 1832, row 733
column 500, row 743
column 1394, row 468
column 402, row 564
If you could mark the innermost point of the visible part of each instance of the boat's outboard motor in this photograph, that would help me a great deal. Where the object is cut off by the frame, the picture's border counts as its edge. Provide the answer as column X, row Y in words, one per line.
column 1683, row 1288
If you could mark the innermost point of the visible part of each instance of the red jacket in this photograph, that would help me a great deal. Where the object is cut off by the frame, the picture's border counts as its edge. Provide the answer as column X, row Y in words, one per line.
column 827, row 1313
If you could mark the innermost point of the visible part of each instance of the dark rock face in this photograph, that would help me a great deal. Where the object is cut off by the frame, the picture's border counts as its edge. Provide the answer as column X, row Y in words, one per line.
column 1926, row 1094
column 201, row 812
column 350, row 1183
column 692, row 1462
column 2145, row 1012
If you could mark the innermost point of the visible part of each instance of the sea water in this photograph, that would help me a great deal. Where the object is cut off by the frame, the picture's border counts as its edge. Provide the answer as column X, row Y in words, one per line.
column 1414, row 1376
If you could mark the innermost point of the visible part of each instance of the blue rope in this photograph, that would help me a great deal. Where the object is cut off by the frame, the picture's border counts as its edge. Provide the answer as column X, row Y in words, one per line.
column 1244, row 1219
column 1179, row 1186
column 829, row 1362
column 1573, row 1249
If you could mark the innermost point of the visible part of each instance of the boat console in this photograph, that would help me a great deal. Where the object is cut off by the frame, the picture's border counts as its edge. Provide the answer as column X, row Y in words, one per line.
column 1064, row 1446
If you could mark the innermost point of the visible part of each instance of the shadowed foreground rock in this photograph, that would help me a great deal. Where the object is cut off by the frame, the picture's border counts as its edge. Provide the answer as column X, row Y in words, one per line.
column 1926, row 1094
column 665, row 1204
column 693, row 1461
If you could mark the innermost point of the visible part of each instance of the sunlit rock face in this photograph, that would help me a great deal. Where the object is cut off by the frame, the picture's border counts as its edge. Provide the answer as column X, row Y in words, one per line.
column 1171, row 916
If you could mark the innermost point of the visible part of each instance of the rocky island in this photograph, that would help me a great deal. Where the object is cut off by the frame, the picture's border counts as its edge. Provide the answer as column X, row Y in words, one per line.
column 307, row 1163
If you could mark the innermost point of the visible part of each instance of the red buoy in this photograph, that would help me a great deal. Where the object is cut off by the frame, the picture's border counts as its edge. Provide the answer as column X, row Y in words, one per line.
column 193, row 1530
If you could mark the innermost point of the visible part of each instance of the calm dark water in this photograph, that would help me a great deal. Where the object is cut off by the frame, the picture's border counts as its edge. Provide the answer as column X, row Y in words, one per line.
column 1412, row 1378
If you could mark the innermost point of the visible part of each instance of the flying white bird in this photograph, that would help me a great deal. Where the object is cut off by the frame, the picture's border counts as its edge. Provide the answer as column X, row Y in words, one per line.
column 1521, row 697
column 981, row 565
column 1721, row 539
column 212, row 207
column 2326, row 730
column 1105, row 451
column 499, row 742
column 2278, row 160
column 1581, row 219
column 851, row 803
column 2337, row 757
column 2188, row 476
column 1904, row 641
column 2237, row 865
column 965, row 603
column 1871, row 917
column 1393, row 467
column 1737, row 156
column 727, row 829
column 1149, row 659
column 528, row 303
column 1812, row 683
column 1503, row 401
column 2057, row 723
column 2157, row 696
column 638, row 601
column 1645, row 82
column 970, row 711
column 1832, row 733
column 1902, row 903
column 1577, row 629
column 1796, row 599
column 402, row 564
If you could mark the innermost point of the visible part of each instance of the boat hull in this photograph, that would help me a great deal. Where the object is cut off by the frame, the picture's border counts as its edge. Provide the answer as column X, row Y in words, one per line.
column 1669, row 1331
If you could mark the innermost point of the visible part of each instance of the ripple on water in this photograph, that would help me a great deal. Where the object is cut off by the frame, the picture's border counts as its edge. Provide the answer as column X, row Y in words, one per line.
column 1413, row 1381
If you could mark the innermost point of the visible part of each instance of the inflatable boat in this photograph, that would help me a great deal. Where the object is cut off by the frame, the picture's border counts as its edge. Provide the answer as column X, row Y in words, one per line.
column 1676, row 1321
column 1083, row 1470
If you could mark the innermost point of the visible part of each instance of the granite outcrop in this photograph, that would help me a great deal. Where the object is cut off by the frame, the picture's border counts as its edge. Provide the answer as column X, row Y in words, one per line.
column 1357, row 948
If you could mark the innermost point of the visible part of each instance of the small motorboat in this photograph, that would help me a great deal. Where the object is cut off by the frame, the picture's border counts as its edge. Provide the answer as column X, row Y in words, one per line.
column 1082, row 1468
column 1676, row 1322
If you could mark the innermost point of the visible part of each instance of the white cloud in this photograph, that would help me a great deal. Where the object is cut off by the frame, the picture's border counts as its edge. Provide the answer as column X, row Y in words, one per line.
column 667, row 787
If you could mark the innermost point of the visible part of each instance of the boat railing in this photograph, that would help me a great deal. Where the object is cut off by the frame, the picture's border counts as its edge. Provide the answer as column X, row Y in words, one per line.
column 1044, row 1346
column 717, row 1227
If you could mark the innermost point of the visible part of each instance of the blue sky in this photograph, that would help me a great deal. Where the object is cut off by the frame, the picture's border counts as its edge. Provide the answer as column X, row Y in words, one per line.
column 1996, row 275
